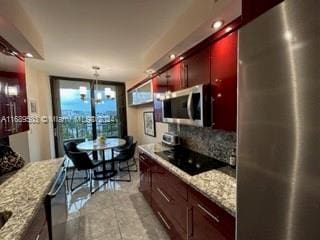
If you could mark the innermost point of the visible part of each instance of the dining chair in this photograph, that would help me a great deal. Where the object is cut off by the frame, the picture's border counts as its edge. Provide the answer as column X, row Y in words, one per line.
column 82, row 162
column 125, row 156
column 117, row 150
column 67, row 158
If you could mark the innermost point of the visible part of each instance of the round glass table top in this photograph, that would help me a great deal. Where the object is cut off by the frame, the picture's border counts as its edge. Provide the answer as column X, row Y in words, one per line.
column 96, row 146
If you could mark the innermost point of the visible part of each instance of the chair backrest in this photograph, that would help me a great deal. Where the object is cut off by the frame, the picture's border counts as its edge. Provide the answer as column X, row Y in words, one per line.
column 73, row 146
column 81, row 160
column 132, row 149
column 129, row 140
column 70, row 146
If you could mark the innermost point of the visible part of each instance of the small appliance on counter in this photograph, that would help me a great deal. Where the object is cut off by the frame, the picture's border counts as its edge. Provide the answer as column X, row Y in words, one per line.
column 171, row 139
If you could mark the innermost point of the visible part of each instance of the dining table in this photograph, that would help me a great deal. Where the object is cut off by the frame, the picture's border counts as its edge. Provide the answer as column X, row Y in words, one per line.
column 98, row 146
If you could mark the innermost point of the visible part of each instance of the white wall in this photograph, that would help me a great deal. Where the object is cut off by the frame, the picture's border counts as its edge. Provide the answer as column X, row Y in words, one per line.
column 36, row 144
column 20, row 144
column 136, row 123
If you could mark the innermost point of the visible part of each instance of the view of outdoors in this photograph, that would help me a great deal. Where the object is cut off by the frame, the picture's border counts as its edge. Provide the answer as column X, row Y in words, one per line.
column 77, row 117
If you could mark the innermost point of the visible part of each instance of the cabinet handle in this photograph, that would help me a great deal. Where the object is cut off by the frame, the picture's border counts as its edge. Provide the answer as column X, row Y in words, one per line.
column 38, row 237
column 208, row 213
column 143, row 157
column 163, row 220
column 163, row 195
column 188, row 226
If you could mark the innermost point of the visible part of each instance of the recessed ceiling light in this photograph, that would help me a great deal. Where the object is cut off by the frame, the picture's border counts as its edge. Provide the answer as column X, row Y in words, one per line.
column 29, row 55
column 228, row 29
column 172, row 56
column 217, row 24
column 181, row 58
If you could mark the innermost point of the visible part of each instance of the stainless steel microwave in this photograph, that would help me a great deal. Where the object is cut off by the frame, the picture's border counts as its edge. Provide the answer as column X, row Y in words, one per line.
column 186, row 106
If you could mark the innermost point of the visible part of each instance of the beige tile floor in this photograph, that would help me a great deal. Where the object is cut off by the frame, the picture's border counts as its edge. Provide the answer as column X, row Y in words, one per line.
column 116, row 211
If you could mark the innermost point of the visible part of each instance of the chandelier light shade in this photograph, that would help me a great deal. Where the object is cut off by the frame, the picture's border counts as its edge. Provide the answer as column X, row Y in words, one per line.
column 83, row 92
column 108, row 92
column 113, row 95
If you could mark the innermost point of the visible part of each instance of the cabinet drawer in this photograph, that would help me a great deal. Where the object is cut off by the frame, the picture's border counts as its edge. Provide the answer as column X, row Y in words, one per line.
column 172, row 184
column 166, row 222
column 173, row 206
column 206, row 212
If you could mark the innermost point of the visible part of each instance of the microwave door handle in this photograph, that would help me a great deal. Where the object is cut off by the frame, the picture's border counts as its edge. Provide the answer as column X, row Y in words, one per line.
column 189, row 106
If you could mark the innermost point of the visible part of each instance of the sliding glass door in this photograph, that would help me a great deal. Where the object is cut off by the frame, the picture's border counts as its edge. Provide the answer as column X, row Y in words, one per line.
column 81, row 116
column 106, row 113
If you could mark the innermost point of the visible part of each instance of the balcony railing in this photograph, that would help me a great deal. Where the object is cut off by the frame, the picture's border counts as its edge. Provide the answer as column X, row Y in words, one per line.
column 74, row 128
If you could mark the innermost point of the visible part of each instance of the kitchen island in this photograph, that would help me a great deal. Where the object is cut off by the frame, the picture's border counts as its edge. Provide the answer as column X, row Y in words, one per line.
column 23, row 194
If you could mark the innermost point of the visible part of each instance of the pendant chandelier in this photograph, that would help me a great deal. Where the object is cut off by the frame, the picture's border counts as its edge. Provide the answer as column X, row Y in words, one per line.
column 108, row 92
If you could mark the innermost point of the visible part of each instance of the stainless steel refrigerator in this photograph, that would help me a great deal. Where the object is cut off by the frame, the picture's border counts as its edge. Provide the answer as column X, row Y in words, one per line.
column 278, row 196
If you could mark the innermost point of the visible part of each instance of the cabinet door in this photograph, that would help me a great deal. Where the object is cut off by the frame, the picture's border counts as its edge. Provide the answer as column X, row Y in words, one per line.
column 145, row 177
column 174, row 78
column 160, row 86
column 203, row 228
column 224, row 83
column 208, row 220
column 251, row 9
column 13, row 97
column 197, row 68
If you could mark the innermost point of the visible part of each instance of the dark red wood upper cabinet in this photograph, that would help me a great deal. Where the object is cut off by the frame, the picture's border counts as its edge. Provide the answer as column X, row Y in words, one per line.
column 196, row 68
column 13, row 95
column 159, row 84
column 251, row 9
column 224, row 82
column 173, row 76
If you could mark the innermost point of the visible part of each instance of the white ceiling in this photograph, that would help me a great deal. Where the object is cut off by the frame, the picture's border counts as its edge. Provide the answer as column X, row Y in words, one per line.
column 113, row 34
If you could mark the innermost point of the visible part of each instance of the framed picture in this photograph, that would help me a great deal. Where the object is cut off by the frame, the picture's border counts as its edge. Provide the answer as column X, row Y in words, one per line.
column 33, row 106
column 149, row 124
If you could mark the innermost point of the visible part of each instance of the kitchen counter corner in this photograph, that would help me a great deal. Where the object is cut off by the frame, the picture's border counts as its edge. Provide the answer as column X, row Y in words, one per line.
column 23, row 193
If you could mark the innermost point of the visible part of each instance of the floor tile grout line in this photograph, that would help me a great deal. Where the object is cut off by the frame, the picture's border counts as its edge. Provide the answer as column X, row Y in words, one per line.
column 117, row 218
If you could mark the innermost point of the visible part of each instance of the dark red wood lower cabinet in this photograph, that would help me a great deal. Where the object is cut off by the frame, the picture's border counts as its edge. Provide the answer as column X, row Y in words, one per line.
column 184, row 212
column 145, row 176
column 203, row 229
column 209, row 221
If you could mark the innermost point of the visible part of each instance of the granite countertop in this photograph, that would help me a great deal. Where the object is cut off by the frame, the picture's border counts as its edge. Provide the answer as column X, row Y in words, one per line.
column 218, row 185
column 23, row 193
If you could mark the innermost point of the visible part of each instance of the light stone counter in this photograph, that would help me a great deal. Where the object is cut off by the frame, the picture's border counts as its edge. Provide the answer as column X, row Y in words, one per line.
column 23, row 193
column 218, row 185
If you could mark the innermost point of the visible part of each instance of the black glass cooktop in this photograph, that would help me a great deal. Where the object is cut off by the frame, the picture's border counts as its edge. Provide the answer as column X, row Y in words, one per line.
column 189, row 161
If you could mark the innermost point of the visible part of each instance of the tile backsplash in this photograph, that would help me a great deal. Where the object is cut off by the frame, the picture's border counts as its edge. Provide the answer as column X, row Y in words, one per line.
column 218, row 144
